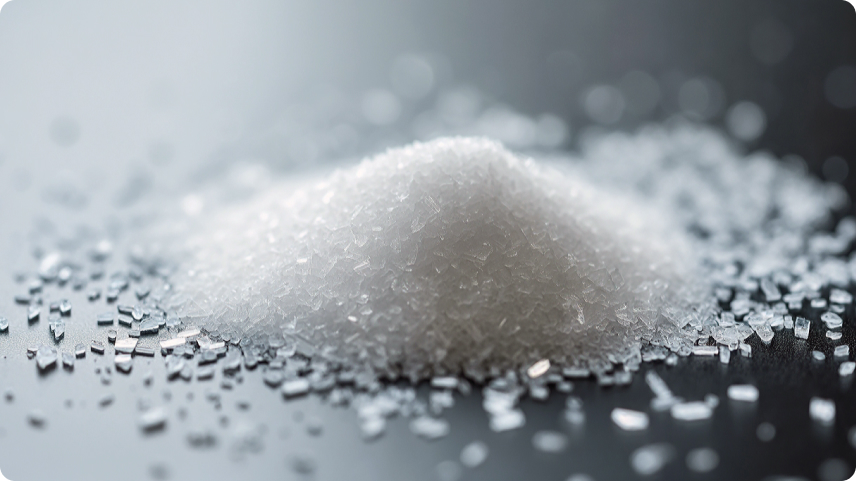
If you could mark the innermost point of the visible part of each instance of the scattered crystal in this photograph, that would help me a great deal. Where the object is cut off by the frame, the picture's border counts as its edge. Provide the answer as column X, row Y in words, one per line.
column 691, row 411
column 123, row 362
column 105, row 318
column 832, row 320
column 705, row 350
column 106, row 400
column 46, row 357
column 172, row 343
column 33, row 313
column 702, row 460
column 822, row 410
column 37, row 418
column 724, row 355
column 97, row 347
column 144, row 351
column 189, row 332
column 153, row 419
column 538, row 369
column 67, row 360
column 295, row 387
column 771, row 291
column 841, row 351
column 429, row 428
column 743, row 392
column 4, row 324
column 629, row 420
column 474, row 454
column 801, row 328
column 507, row 420
column 838, row 296
column 126, row 346
column 846, row 368
column 818, row 356
column 650, row 459
column 549, row 441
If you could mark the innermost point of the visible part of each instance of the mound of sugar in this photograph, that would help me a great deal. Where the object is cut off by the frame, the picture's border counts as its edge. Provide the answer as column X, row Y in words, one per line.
column 448, row 256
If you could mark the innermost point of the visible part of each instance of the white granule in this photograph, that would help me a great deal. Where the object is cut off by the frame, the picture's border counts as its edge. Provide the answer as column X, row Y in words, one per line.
column 453, row 256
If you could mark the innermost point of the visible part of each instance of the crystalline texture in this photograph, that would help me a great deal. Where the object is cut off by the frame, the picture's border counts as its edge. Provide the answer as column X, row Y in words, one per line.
column 452, row 254
column 801, row 328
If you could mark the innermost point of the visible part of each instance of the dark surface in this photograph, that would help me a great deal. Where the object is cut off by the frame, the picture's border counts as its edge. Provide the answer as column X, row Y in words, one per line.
column 279, row 53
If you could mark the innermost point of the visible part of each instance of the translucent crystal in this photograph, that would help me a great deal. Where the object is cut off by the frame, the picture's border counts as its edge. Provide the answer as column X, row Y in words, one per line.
column 507, row 420
column 724, row 355
column 705, row 350
column 538, row 369
column 838, row 296
column 123, row 362
column 691, row 411
column 743, row 392
column 821, row 410
column 629, row 420
column 429, row 428
column 126, row 346
column 832, row 320
column 801, row 328
column 46, row 357
column 295, row 387
column 153, row 419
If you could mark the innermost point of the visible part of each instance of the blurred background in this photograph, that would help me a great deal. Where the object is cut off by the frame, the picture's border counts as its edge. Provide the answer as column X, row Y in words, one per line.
column 171, row 93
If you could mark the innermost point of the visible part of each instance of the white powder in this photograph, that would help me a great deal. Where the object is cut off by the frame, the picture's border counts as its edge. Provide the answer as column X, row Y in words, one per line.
column 446, row 257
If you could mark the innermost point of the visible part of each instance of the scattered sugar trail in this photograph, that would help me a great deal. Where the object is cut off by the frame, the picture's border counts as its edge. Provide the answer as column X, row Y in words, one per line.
column 448, row 256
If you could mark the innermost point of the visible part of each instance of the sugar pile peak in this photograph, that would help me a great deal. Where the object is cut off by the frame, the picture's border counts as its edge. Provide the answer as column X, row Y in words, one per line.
column 452, row 256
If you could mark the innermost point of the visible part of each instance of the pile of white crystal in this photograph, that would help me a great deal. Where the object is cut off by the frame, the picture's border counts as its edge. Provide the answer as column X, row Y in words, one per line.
column 453, row 256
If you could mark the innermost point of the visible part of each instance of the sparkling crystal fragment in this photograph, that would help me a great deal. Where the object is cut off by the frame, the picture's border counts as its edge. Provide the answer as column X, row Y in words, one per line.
column 801, row 328
column 538, row 369
column 743, row 392
column 629, row 420
column 691, row 411
column 295, row 387
column 821, row 410
column 126, row 346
